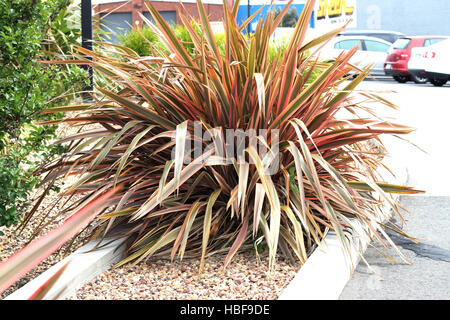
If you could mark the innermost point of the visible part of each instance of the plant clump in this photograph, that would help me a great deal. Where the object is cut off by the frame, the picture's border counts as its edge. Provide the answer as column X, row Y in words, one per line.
column 156, row 171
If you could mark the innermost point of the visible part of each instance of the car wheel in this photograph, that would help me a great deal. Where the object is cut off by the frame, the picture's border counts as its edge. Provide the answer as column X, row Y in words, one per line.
column 401, row 79
column 419, row 79
column 438, row 82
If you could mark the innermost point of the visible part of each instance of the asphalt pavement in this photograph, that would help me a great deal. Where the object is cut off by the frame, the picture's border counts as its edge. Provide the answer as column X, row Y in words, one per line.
column 426, row 275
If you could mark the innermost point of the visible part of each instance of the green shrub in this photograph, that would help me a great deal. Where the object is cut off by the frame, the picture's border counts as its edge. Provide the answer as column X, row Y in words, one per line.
column 139, row 39
column 277, row 48
column 18, row 160
column 183, row 35
column 221, row 39
column 15, row 183
column 31, row 31
column 289, row 19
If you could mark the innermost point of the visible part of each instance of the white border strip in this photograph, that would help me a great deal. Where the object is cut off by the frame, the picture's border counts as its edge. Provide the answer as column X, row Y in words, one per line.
column 83, row 267
column 326, row 273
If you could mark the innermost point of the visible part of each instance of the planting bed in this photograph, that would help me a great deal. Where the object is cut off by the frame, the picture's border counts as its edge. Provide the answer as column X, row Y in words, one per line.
column 246, row 278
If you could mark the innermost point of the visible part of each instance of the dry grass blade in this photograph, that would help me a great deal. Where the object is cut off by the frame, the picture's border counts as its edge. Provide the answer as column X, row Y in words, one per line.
column 27, row 258
column 45, row 288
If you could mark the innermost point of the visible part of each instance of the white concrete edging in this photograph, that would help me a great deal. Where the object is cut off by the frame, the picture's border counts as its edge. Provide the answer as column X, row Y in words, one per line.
column 84, row 266
column 325, row 273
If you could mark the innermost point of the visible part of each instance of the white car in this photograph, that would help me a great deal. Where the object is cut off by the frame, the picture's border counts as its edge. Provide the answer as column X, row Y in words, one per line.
column 417, row 61
column 432, row 62
column 372, row 51
column 390, row 36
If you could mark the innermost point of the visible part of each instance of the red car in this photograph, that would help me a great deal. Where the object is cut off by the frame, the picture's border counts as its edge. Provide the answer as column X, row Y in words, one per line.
column 396, row 64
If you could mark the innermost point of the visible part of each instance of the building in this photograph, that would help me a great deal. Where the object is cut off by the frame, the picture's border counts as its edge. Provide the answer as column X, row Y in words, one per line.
column 332, row 14
column 249, row 7
column 430, row 17
column 118, row 16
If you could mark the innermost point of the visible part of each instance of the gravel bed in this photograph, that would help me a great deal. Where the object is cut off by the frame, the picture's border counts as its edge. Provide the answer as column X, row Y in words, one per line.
column 246, row 278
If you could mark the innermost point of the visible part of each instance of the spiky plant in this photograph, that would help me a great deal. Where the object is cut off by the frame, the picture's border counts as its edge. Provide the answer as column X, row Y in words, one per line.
column 325, row 177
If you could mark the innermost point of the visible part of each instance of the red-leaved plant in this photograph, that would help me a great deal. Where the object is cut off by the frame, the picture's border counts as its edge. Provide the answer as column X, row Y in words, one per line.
column 326, row 175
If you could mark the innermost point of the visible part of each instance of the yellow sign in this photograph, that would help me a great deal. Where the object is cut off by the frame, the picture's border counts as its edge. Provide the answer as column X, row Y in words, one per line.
column 334, row 8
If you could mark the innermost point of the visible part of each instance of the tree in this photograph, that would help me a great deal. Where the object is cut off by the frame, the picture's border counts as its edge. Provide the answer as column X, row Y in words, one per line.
column 29, row 31
column 290, row 18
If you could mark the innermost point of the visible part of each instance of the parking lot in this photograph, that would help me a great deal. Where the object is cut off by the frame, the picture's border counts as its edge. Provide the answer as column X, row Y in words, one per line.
column 427, row 108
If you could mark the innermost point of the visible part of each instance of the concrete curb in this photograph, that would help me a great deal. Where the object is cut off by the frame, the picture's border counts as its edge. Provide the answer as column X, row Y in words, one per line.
column 326, row 273
column 83, row 267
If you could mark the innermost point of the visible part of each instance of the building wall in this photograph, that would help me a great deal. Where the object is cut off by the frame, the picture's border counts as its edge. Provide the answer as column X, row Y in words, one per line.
column 255, row 5
column 214, row 10
column 418, row 17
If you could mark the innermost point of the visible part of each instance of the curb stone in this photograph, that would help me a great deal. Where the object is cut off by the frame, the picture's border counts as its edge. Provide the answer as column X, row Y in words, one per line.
column 84, row 266
column 326, row 272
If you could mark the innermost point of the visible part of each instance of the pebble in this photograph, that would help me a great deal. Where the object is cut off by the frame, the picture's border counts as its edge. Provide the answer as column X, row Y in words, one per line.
column 245, row 278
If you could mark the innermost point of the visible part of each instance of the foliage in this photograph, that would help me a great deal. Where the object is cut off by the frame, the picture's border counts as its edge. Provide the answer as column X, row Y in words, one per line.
column 277, row 48
column 26, row 87
column 326, row 178
column 140, row 39
column 220, row 39
column 289, row 19
column 15, row 183
column 183, row 35
column 17, row 162
column 29, row 257
column 145, row 42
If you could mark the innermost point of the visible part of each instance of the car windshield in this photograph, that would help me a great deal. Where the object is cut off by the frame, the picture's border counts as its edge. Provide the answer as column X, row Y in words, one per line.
column 441, row 44
column 387, row 36
column 401, row 43
column 347, row 44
